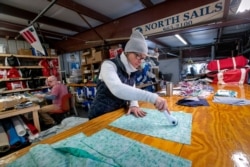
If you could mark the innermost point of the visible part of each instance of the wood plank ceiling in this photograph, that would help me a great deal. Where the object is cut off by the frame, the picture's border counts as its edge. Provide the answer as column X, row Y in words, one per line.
column 72, row 25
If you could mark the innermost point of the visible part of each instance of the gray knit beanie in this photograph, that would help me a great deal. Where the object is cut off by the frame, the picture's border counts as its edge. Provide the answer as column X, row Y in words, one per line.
column 137, row 43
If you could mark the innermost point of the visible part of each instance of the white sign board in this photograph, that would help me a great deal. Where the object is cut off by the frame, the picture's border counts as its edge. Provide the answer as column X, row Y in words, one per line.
column 201, row 14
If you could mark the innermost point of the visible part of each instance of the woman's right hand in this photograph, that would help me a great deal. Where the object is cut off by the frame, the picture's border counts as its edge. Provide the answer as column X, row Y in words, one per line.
column 161, row 104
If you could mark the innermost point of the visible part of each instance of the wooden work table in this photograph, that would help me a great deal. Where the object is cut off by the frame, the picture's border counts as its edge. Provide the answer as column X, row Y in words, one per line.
column 34, row 109
column 220, row 132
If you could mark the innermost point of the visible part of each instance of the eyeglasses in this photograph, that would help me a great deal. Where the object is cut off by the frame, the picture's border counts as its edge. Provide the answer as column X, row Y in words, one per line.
column 139, row 56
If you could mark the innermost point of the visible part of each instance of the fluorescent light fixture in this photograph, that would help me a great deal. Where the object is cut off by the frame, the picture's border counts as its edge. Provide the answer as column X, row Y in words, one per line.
column 181, row 39
column 244, row 5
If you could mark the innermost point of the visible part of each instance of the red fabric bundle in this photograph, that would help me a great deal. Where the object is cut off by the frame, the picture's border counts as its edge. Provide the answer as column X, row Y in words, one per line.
column 15, row 85
column 31, row 127
column 227, row 63
column 46, row 72
column 44, row 63
column 13, row 73
column 237, row 76
column 54, row 63
column 54, row 72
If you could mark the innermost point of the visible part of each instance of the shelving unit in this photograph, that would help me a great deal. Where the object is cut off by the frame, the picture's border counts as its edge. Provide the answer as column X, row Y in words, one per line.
column 90, row 70
column 91, row 62
column 28, row 62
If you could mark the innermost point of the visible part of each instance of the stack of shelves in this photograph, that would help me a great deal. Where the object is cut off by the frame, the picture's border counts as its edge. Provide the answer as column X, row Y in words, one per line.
column 91, row 62
column 27, row 62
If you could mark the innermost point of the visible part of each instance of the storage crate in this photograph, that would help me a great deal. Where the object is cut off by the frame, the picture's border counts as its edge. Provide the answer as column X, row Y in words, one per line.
column 24, row 52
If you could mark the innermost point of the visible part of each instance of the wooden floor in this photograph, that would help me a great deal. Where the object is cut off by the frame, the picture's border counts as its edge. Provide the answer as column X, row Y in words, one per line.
column 220, row 133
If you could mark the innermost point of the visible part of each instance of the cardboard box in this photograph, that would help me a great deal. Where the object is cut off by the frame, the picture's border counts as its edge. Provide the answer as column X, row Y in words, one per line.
column 83, row 57
column 83, row 60
column 51, row 52
column 9, row 102
column 92, row 51
column 24, row 52
column 94, row 58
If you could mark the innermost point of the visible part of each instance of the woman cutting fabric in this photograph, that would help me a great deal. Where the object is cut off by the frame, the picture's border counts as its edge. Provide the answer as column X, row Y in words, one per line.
column 116, row 85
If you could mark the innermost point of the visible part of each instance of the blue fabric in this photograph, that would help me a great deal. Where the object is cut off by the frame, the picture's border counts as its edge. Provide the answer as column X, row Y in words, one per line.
column 231, row 100
column 14, row 139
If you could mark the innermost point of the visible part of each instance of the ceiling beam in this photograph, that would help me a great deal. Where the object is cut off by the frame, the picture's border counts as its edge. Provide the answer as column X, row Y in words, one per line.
column 226, row 10
column 18, row 27
column 122, row 27
column 147, row 3
column 159, row 43
column 5, row 33
column 12, row 26
column 29, row 16
column 243, row 18
column 78, row 8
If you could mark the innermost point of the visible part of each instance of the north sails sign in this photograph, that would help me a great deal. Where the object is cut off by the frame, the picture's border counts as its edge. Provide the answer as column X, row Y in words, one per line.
column 201, row 14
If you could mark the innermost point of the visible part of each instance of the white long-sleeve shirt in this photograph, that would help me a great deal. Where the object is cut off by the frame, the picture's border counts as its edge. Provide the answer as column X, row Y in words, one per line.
column 108, row 74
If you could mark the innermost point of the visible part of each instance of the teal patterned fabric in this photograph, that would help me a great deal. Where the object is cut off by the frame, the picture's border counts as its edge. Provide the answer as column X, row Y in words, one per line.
column 75, row 144
column 103, row 149
column 71, row 152
column 127, row 152
column 156, row 124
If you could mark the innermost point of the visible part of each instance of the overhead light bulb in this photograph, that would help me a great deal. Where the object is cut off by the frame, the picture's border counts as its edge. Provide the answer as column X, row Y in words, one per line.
column 181, row 39
column 244, row 5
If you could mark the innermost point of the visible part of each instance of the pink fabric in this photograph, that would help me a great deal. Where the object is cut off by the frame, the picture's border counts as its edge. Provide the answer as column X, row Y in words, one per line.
column 59, row 90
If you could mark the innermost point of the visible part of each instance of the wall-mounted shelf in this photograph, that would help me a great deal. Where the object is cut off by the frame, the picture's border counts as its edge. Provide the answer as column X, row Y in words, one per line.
column 26, row 62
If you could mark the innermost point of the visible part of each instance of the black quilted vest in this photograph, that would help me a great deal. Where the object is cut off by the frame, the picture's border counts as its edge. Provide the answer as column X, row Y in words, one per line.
column 105, row 101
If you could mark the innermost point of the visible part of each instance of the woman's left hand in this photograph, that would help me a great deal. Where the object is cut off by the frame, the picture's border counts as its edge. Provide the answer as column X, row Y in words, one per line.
column 136, row 111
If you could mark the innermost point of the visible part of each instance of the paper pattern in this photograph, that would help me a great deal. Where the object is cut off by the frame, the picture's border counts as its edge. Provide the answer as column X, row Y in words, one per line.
column 156, row 124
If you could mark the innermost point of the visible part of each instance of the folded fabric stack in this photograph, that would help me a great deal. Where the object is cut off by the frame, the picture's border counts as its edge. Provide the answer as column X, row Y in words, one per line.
column 192, row 102
column 229, row 97
column 195, row 89
column 226, row 93
column 231, row 100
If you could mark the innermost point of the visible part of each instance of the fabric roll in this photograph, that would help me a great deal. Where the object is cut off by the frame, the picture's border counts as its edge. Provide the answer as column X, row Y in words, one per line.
column 14, row 140
column 31, row 137
column 13, row 137
column 23, row 124
column 18, row 126
column 4, row 141
column 31, row 127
